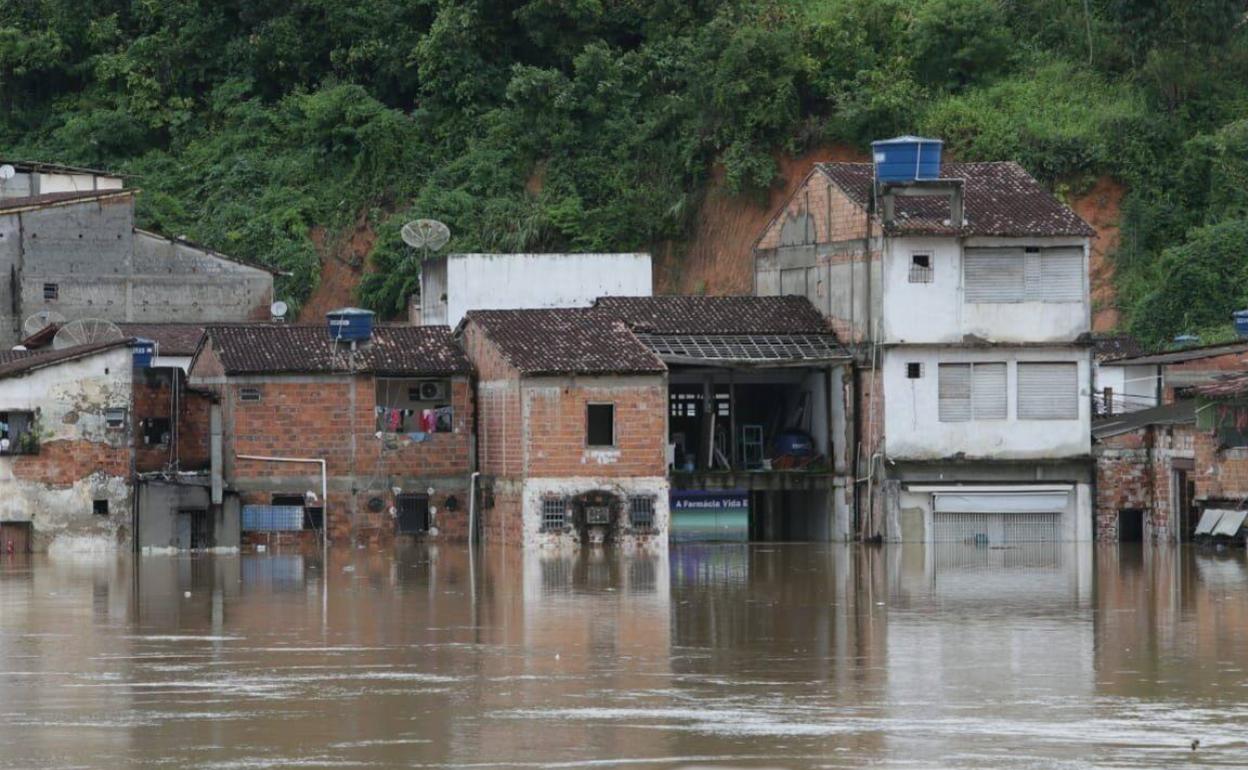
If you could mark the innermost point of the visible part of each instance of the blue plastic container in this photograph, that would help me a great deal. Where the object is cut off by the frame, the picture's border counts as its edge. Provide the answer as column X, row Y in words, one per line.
column 144, row 351
column 350, row 324
column 906, row 158
column 1186, row 340
column 1241, row 322
column 796, row 443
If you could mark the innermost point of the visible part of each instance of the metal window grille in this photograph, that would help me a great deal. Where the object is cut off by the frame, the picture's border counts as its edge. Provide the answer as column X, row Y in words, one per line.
column 51, row 291
column 272, row 518
column 249, row 394
column 641, row 512
column 115, row 418
column 554, row 513
column 921, row 268
column 914, row 371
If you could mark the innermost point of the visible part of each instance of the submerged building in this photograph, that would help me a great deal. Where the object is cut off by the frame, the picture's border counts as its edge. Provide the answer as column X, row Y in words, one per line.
column 963, row 289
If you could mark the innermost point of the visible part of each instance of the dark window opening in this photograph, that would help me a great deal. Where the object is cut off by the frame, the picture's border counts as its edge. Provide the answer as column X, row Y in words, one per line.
column 248, row 394
column 51, row 292
column 99, row 507
column 297, row 500
column 156, row 431
column 413, row 513
column 914, row 371
column 414, row 406
column 1131, row 525
column 641, row 512
column 920, row 268
column 600, row 425
column 18, row 435
column 554, row 513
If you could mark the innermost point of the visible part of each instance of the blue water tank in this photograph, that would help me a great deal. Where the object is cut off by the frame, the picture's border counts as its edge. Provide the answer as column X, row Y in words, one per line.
column 1186, row 340
column 144, row 352
column 906, row 158
column 1241, row 322
column 350, row 324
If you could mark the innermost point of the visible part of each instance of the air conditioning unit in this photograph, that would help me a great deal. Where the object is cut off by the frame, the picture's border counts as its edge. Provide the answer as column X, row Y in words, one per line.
column 430, row 390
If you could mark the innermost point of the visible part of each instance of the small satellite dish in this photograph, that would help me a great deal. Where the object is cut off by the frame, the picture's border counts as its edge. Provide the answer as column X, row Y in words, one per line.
column 425, row 234
column 278, row 310
column 7, row 172
column 41, row 320
column 86, row 331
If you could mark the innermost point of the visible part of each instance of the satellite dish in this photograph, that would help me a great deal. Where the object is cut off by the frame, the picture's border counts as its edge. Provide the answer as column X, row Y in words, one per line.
column 425, row 234
column 7, row 172
column 87, row 331
column 41, row 320
column 278, row 310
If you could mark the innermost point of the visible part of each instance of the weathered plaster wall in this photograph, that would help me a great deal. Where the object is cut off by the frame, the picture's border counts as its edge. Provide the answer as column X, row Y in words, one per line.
column 80, row 459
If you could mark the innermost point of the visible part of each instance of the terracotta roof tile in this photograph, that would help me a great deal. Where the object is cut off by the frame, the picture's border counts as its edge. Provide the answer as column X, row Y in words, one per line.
column 716, row 315
column 565, row 341
column 172, row 339
column 15, row 362
column 416, row 351
column 1000, row 199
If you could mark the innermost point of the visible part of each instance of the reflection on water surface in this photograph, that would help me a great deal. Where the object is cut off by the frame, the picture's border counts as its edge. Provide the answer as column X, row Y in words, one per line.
column 770, row 655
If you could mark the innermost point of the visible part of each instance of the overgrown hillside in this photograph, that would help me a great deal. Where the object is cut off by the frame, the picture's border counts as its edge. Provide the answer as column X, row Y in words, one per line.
column 266, row 128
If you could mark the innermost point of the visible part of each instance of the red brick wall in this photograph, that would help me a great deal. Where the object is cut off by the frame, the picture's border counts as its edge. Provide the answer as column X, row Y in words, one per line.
column 836, row 217
column 153, row 398
column 62, row 463
column 1220, row 473
column 556, row 417
column 502, row 521
column 194, row 430
column 1124, row 479
column 1230, row 362
column 500, row 451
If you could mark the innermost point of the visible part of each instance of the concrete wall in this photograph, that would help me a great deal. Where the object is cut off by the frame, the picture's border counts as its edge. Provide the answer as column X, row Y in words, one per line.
column 507, row 281
column 913, row 428
column 937, row 312
column 103, row 268
column 80, row 459
column 27, row 183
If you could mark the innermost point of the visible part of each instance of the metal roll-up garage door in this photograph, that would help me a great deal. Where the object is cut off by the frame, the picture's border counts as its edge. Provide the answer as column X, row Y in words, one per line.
column 994, row 518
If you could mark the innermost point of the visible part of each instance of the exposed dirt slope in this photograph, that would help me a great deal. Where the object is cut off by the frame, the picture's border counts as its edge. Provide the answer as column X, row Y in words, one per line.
column 1101, row 208
column 344, row 260
column 718, row 259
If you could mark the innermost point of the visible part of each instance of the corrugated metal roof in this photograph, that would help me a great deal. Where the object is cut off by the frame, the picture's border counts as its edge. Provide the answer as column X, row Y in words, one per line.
column 744, row 348
column 1187, row 354
column 1177, row 413
column 999, row 199
column 307, row 349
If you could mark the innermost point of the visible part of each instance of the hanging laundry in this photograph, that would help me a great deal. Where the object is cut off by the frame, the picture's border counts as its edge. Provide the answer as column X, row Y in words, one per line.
column 445, row 419
column 428, row 421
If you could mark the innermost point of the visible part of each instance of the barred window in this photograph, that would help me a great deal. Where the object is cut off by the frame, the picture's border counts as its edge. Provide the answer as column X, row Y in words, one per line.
column 921, row 268
column 554, row 513
column 641, row 512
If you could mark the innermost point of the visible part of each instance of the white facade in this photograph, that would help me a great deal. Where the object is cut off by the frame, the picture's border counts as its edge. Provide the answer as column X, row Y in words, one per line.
column 915, row 428
column 935, row 307
column 453, row 285
column 45, row 179
column 1131, row 388
column 82, row 459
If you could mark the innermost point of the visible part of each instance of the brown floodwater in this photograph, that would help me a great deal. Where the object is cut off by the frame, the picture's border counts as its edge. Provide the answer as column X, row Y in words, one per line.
column 757, row 656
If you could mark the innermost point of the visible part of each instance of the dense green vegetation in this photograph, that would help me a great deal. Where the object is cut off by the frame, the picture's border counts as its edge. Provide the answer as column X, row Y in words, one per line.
column 593, row 124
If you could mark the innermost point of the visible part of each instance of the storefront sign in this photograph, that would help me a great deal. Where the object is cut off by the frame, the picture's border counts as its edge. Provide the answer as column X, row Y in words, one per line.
column 710, row 515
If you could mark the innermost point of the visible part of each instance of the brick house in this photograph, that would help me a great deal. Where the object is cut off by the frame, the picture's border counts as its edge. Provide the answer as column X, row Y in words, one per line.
column 392, row 417
column 964, row 295
column 1144, row 380
column 572, row 430
column 66, row 449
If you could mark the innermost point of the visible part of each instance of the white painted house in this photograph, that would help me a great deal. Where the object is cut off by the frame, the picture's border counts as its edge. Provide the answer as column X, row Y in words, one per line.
column 967, row 296
column 451, row 286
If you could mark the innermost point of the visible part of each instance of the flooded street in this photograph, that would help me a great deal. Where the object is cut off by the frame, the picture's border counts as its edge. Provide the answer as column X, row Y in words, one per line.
column 769, row 655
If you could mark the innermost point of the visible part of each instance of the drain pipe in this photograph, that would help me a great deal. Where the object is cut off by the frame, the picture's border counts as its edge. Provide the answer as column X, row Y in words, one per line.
column 472, row 506
column 324, row 497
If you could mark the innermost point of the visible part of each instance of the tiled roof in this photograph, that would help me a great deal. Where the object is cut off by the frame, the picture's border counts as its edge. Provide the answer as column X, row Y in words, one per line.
column 16, row 362
column 565, row 341
column 307, row 349
column 172, row 339
column 999, row 199
column 1224, row 387
column 716, row 315
column 53, row 199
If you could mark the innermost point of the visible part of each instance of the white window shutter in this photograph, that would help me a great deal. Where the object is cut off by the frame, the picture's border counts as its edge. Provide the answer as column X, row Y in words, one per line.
column 955, row 392
column 1048, row 391
column 993, row 275
column 988, row 391
column 1061, row 275
column 1033, row 282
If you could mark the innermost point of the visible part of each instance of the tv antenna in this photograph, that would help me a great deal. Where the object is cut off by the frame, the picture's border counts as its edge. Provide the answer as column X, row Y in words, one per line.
column 86, row 331
column 41, row 320
column 425, row 234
